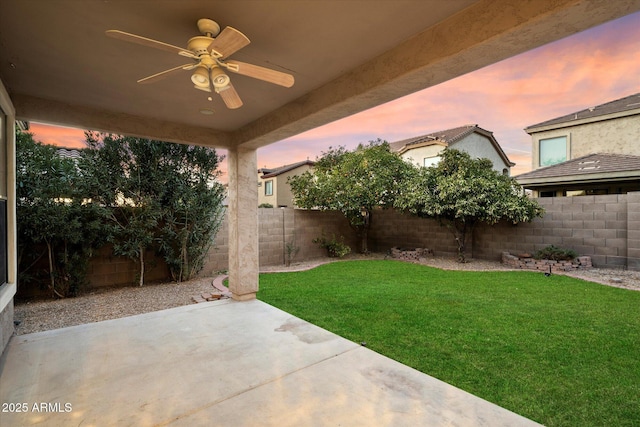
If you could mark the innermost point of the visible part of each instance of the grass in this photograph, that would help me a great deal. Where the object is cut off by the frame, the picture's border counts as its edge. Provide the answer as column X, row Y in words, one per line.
column 558, row 350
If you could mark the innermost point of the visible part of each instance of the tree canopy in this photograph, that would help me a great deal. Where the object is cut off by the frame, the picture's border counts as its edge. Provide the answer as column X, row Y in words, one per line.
column 460, row 192
column 161, row 195
column 352, row 182
column 138, row 194
column 53, row 214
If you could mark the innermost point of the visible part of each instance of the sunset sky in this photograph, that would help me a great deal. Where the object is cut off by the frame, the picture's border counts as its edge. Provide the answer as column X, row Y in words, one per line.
column 584, row 70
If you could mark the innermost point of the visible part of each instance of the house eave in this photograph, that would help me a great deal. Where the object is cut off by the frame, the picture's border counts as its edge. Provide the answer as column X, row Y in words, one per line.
column 593, row 178
column 577, row 122
column 410, row 147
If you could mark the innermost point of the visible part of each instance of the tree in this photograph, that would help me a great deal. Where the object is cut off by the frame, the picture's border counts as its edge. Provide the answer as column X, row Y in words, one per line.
column 160, row 195
column 460, row 192
column 120, row 181
column 193, row 208
column 53, row 211
column 352, row 182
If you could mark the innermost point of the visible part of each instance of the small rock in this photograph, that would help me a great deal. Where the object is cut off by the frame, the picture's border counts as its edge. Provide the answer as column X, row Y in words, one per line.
column 615, row 280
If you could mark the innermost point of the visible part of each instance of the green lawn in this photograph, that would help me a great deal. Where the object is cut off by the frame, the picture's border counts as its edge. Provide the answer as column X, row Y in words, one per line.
column 561, row 351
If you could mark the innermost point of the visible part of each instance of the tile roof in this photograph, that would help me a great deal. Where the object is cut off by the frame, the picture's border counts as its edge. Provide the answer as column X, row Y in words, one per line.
column 450, row 136
column 271, row 172
column 591, row 164
column 68, row 153
column 628, row 103
column 447, row 136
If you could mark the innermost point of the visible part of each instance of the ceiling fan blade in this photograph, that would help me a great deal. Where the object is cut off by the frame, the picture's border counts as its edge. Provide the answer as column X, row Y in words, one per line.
column 144, row 41
column 228, row 41
column 162, row 74
column 230, row 97
column 261, row 73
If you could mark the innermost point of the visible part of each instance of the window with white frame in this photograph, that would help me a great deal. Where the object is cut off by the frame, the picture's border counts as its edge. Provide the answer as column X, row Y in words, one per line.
column 268, row 188
column 553, row 150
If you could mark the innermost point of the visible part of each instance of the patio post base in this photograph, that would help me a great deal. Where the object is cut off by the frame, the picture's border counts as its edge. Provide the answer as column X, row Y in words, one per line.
column 244, row 297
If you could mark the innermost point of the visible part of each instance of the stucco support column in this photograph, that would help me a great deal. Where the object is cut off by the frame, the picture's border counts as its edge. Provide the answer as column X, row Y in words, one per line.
column 243, row 223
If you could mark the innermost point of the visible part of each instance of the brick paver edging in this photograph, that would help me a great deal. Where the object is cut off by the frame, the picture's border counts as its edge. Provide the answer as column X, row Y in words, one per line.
column 222, row 292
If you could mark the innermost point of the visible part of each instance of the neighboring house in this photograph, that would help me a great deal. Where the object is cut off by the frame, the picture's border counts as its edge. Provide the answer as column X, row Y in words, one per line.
column 600, row 146
column 592, row 174
column 479, row 143
column 69, row 153
column 272, row 183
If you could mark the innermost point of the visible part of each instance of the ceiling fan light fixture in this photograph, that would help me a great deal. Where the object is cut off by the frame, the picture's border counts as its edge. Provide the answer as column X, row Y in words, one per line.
column 200, row 77
column 219, row 78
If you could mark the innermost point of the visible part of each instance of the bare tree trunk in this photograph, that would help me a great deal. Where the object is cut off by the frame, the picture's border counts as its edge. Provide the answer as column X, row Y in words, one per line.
column 184, row 265
column 364, row 248
column 365, row 231
column 141, row 265
column 52, row 276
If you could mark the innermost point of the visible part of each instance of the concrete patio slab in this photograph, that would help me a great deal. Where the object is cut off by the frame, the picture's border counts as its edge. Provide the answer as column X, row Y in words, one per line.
column 222, row 363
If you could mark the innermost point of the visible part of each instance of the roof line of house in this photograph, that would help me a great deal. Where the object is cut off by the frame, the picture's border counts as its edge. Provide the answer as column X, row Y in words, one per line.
column 447, row 137
column 591, row 166
column 271, row 172
column 626, row 106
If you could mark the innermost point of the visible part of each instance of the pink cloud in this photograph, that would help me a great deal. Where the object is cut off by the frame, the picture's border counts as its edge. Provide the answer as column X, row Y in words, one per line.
column 57, row 135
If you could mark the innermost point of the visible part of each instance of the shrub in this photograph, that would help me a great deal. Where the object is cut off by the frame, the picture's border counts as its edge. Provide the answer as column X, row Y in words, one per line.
column 291, row 250
column 335, row 248
column 265, row 205
column 555, row 254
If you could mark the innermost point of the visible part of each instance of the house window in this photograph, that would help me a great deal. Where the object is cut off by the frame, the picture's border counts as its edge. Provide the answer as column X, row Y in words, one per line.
column 553, row 151
column 268, row 188
column 430, row 161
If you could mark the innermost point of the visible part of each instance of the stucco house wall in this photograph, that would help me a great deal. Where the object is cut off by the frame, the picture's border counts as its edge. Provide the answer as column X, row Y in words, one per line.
column 285, row 196
column 263, row 197
column 9, row 251
column 477, row 142
column 282, row 195
column 419, row 153
column 479, row 146
column 594, row 151
column 619, row 135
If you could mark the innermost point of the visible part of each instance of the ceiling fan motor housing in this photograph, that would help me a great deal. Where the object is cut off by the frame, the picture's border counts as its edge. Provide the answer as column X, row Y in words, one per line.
column 199, row 45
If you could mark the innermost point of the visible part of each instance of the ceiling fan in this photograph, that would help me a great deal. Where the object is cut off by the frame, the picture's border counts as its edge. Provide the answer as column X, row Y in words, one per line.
column 209, row 54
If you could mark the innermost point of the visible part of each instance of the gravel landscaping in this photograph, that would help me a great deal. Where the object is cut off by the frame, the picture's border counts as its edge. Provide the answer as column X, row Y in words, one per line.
column 115, row 303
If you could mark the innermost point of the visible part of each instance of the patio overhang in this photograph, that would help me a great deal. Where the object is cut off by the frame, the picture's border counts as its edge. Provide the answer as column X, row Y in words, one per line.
column 59, row 67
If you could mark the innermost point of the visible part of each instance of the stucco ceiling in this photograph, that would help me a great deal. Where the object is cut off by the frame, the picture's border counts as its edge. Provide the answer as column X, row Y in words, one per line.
column 346, row 56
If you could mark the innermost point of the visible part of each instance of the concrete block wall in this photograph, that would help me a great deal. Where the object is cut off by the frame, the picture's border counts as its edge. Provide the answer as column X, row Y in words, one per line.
column 277, row 227
column 310, row 225
column 633, row 231
column 105, row 269
column 596, row 226
column 218, row 256
column 606, row 228
column 390, row 228
column 272, row 234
